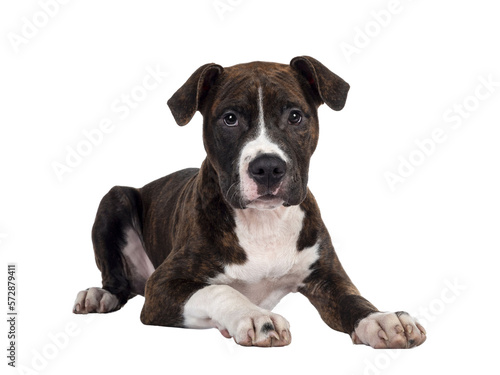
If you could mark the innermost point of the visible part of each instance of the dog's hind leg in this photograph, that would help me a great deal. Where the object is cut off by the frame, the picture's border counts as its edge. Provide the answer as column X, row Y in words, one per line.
column 119, row 253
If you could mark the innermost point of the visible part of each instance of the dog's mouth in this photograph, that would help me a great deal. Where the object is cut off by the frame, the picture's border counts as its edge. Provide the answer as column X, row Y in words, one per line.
column 268, row 197
column 266, row 202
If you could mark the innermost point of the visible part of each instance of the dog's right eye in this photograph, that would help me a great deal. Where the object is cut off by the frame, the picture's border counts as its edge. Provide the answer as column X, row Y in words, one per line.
column 230, row 119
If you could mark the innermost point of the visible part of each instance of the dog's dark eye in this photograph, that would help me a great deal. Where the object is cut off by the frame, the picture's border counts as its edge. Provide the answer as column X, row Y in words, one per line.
column 295, row 117
column 230, row 119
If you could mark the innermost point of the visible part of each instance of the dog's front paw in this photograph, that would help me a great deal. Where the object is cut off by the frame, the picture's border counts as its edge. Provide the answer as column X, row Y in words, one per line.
column 389, row 330
column 261, row 329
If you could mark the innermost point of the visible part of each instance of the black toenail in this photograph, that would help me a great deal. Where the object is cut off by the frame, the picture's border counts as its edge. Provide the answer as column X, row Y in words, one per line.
column 267, row 327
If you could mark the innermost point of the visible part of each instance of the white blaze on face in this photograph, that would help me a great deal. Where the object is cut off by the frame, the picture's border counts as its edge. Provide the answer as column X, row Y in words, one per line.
column 259, row 145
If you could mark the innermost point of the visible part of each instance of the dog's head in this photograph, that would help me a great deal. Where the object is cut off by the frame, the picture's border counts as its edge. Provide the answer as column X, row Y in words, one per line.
column 260, row 125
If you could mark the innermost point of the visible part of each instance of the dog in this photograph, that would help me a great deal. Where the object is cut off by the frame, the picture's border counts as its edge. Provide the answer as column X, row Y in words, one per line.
column 220, row 246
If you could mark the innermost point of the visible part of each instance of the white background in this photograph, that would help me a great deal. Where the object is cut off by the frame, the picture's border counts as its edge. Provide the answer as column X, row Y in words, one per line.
column 429, row 247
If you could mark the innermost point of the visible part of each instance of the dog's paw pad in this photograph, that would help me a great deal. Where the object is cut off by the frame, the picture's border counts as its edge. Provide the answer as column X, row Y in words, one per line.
column 389, row 330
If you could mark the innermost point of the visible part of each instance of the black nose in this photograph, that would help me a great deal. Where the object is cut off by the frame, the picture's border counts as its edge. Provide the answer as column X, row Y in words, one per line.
column 267, row 169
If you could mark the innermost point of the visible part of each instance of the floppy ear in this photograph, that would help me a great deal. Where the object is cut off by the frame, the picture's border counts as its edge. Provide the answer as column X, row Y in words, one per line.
column 187, row 100
column 329, row 87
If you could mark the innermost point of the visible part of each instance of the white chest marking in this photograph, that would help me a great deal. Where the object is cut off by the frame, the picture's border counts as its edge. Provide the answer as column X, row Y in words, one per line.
column 274, row 267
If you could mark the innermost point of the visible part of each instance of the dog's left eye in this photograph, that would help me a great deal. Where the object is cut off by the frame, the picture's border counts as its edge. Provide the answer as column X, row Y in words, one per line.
column 230, row 119
column 295, row 117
